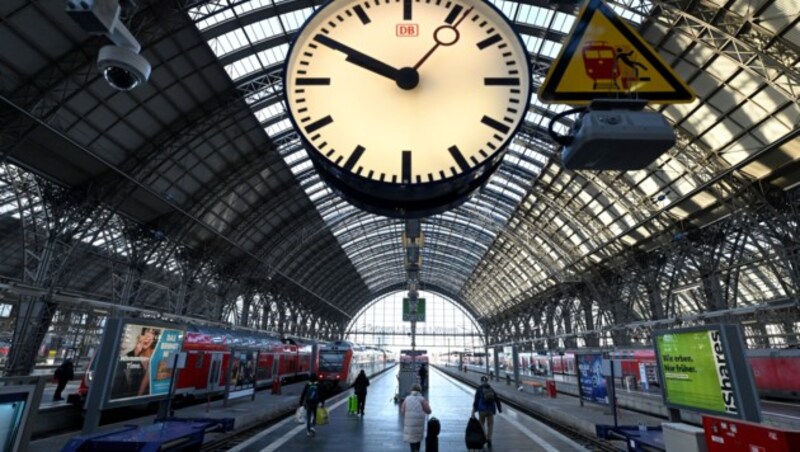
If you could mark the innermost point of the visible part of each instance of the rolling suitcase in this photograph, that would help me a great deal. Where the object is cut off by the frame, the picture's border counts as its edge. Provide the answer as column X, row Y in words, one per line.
column 352, row 404
column 432, row 440
column 474, row 436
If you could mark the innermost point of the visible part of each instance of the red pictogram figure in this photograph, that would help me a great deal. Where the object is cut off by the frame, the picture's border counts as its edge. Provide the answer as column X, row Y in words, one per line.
column 600, row 62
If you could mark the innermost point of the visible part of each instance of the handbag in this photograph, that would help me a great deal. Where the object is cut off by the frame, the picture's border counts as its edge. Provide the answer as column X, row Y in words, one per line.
column 300, row 415
column 322, row 415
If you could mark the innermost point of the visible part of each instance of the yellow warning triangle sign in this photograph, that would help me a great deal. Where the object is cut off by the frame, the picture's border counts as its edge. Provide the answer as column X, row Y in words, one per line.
column 605, row 58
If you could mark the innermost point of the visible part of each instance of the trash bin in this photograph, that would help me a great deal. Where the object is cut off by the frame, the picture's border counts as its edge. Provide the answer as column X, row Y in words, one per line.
column 551, row 388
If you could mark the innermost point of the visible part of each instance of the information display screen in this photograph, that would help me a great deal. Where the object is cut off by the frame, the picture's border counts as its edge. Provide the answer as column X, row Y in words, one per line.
column 696, row 372
column 142, row 362
column 590, row 377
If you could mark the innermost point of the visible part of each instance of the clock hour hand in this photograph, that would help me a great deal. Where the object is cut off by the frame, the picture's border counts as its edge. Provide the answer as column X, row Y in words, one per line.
column 406, row 78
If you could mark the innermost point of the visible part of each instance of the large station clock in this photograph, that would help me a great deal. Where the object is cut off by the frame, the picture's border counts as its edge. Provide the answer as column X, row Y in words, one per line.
column 406, row 106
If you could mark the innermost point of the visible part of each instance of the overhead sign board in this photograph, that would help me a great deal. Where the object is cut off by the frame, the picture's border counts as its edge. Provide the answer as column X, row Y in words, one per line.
column 605, row 58
column 407, row 314
column 703, row 369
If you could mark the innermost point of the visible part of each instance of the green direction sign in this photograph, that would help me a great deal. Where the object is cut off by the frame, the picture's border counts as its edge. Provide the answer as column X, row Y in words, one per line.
column 696, row 372
column 407, row 316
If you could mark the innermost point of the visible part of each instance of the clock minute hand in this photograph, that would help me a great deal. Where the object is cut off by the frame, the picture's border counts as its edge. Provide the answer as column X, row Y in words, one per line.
column 406, row 78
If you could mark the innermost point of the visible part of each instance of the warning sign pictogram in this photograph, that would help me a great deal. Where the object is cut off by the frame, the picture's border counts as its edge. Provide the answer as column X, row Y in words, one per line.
column 605, row 58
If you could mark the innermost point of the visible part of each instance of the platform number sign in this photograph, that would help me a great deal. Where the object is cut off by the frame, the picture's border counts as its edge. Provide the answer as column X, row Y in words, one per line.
column 408, row 316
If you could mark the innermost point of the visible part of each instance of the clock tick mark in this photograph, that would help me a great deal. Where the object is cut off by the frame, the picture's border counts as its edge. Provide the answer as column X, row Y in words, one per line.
column 515, row 91
column 362, row 16
column 330, row 153
column 495, row 124
column 453, row 14
column 394, row 178
column 371, row 172
column 430, row 177
column 497, row 137
column 339, row 160
column 483, row 153
column 323, row 145
column 359, row 170
column 442, row 175
column 406, row 167
column 407, row 11
column 491, row 146
column 313, row 81
column 493, row 39
column 353, row 159
column 318, row 124
column 474, row 160
column 501, row 81
column 455, row 152
column 302, row 110
column 383, row 177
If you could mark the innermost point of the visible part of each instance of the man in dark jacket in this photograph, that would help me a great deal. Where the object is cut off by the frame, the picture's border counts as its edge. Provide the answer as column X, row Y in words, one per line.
column 423, row 376
column 486, row 404
column 64, row 373
column 360, row 386
column 311, row 398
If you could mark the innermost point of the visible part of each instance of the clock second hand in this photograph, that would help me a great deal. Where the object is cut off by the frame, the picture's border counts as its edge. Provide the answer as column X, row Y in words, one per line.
column 438, row 42
column 406, row 78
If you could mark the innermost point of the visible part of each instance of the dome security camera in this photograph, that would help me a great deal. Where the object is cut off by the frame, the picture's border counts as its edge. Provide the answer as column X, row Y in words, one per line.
column 123, row 68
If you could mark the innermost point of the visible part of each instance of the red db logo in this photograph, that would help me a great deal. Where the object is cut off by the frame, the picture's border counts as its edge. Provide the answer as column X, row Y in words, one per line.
column 407, row 30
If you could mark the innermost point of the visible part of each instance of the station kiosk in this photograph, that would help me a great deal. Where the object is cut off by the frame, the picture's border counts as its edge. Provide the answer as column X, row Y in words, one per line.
column 408, row 373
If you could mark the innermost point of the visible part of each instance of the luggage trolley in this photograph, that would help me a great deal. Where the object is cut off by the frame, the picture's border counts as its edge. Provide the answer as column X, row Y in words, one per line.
column 600, row 62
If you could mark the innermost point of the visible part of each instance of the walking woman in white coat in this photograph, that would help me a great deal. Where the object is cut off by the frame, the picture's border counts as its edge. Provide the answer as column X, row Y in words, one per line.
column 414, row 409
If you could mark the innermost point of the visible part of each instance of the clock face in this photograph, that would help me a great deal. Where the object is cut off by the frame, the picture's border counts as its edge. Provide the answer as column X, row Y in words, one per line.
column 406, row 106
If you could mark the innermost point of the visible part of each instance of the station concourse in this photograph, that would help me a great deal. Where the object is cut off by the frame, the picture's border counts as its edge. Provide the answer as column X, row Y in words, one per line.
column 593, row 204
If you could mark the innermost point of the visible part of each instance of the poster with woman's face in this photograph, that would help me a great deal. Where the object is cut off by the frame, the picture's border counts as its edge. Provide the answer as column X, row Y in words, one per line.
column 142, row 367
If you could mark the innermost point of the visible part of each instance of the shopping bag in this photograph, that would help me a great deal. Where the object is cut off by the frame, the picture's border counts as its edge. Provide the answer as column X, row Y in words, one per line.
column 474, row 435
column 352, row 404
column 300, row 415
column 322, row 415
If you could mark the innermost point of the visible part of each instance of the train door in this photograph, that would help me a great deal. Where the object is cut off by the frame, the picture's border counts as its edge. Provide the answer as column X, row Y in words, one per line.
column 215, row 371
column 276, row 366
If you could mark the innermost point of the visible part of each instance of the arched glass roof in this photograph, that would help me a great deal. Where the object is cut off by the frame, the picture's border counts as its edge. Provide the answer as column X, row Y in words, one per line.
column 204, row 154
column 534, row 223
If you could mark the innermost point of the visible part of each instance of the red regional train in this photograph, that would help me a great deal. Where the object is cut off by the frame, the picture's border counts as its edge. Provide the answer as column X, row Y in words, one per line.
column 340, row 362
column 774, row 370
column 209, row 350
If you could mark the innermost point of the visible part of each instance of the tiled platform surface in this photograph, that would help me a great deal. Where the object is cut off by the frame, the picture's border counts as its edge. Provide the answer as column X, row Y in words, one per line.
column 777, row 413
column 563, row 409
column 266, row 407
column 381, row 428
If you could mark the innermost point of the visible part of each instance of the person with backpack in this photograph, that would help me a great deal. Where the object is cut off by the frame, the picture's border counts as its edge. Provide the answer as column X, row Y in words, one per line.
column 311, row 399
column 486, row 404
column 64, row 373
column 360, row 386
column 414, row 409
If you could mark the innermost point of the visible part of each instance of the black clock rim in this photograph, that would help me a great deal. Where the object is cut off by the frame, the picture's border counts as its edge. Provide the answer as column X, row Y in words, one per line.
column 489, row 165
column 371, row 201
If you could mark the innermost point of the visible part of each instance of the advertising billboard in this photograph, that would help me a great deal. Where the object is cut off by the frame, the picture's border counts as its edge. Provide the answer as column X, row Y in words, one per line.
column 142, row 361
column 590, row 378
column 703, row 369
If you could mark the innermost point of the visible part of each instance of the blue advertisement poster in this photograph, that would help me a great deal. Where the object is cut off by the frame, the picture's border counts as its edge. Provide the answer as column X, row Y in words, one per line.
column 592, row 382
column 168, row 344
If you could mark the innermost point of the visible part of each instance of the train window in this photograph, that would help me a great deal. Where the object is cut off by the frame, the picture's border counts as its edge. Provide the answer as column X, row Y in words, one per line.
column 199, row 363
column 331, row 361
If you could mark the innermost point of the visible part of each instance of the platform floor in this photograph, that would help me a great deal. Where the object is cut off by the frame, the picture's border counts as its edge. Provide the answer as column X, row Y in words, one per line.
column 381, row 428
